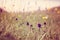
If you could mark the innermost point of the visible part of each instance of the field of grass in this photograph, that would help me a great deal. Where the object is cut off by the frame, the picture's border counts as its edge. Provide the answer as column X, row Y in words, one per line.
column 13, row 26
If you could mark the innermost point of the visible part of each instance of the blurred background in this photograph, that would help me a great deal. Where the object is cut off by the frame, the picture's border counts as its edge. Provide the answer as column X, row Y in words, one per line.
column 27, row 5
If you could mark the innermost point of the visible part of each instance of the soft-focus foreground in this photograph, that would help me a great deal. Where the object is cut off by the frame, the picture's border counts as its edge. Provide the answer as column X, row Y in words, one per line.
column 38, row 25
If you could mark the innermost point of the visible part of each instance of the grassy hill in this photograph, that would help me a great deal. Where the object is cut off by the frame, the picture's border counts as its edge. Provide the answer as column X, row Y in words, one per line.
column 13, row 26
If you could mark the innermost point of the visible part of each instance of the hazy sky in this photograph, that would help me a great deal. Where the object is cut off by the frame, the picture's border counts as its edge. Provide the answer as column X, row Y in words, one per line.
column 28, row 5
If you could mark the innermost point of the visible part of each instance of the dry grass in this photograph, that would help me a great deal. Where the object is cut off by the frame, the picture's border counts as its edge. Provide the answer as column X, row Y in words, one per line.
column 12, row 29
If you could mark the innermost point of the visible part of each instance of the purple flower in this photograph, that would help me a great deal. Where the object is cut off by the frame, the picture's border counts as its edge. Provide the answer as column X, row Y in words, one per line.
column 39, row 25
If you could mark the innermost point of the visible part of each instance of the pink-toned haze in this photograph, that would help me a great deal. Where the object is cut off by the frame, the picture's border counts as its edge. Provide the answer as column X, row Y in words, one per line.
column 27, row 5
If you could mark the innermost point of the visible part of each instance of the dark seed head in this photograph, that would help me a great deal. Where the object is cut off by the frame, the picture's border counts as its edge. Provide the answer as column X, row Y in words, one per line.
column 31, row 25
column 44, row 23
column 27, row 23
column 16, row 18
column 0, row 10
